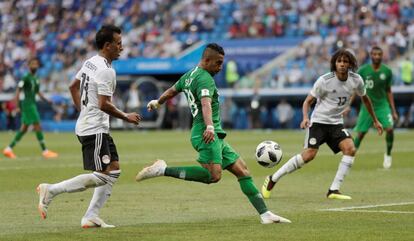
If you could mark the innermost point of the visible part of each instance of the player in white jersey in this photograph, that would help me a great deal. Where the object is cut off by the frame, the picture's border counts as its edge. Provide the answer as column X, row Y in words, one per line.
column 332, row 93
column 92, row 92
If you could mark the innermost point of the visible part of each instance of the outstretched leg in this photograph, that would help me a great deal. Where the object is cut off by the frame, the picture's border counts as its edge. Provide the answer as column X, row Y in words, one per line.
column 239, row 169
column 8, row 151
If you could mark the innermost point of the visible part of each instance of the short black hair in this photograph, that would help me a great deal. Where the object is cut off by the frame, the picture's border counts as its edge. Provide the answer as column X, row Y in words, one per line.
column 376, row 48
column 215, row 47
column 106, row 35
column 353, row 64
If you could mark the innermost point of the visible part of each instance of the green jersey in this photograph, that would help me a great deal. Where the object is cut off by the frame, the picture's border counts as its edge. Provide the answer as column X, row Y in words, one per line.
column 196, row 84
column 29, row 86
column 377, row 83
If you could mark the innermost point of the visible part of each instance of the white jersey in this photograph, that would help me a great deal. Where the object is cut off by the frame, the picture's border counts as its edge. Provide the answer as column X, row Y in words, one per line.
column 333, row 96
column 97, row 78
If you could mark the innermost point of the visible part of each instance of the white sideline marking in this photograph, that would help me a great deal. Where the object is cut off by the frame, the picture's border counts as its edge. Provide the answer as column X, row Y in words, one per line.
column 355, row 208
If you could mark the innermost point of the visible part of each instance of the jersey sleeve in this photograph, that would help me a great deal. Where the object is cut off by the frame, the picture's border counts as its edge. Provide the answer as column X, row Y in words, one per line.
column 106, row 81
column 22, row 82
column 205, row 87
column 79, row 74
column 360, row 87
column 179, row 85
column 389, row 79
column 317, row 89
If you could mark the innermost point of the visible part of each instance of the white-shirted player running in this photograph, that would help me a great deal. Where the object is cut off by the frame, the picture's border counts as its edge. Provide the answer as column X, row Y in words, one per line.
column 92, row 92
column 332, row 92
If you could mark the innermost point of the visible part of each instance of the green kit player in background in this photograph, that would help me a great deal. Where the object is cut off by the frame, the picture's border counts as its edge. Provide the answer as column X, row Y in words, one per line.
column 378, row 81
column 207, row 136
column 26, row 92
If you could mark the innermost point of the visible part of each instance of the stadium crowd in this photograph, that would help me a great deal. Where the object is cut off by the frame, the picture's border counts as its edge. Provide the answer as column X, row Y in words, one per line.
column 60, row 34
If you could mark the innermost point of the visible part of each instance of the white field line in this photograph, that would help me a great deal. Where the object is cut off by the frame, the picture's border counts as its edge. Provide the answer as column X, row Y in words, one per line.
column 357, row 208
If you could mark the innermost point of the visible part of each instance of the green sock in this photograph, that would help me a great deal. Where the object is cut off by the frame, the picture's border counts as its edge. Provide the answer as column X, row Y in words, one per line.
column 41, row 140
column 17, row 138
column 389, row 138
column 357, row 142
column 193, row 173
column 250, row 190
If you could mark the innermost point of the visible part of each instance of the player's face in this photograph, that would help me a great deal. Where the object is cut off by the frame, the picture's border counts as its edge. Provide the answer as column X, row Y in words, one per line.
column 342, row 65
column 33, row 65
column 376, row 56
column 215, row 64
column 115, row 48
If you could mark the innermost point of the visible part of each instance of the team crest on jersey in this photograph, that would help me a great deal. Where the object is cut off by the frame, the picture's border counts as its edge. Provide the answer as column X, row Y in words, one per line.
column 312, row 141
column 382, row 76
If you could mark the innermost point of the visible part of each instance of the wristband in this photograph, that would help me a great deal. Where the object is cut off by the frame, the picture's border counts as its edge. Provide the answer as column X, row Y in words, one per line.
column 210, row 128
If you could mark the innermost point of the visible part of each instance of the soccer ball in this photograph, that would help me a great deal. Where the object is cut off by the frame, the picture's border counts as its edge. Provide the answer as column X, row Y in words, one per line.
column 268, row 153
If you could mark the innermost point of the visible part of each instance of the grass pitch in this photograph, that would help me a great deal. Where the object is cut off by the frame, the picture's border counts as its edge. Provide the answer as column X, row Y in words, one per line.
column 382, row 207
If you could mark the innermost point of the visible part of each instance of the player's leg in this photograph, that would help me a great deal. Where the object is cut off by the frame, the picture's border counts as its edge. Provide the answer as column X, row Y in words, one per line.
column 8, row 151
column 95, row 158
column 210, row 158
column 102, row 193
column 341, row 140
column 389, row 138
column 315, row 136
column 238, row 167
column 362, row 126
column 385, row 118
column 40, row 137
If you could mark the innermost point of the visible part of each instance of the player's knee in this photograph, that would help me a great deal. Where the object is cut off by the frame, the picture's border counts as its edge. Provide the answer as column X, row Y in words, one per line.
column 215, row 176
column 349, row 150
column 309, row 155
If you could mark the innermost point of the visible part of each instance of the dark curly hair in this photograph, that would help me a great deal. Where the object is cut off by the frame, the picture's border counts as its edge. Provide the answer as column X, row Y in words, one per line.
column 353, row 64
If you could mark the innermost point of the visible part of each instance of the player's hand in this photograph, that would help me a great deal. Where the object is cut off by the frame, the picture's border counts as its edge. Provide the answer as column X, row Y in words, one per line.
column 378, row 126
column 394, row 115
column 153, row 105
column 133, row 118
column 346, row 111
column 208, row 135
column 305, row 123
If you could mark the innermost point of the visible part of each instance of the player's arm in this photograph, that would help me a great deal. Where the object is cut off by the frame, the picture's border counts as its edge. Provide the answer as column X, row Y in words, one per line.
column 208, row 135
column 305, row 111
column 390, row 98
column 43, row 97
column 168, row 94
column 367, row 102
column 74, row 89
column 106, row 105
column 348, row 108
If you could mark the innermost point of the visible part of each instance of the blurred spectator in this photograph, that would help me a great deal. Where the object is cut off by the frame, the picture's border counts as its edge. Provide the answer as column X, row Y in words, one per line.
column 407, row 68
column 133, row 98
column 232, row 74
column 285, row 114
column 184, row 114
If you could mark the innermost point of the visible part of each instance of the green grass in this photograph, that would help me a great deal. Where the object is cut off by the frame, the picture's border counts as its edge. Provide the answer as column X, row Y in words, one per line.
column 170, row 209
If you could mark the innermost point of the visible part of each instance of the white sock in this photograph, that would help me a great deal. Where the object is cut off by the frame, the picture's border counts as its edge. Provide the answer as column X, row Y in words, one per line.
column 293, row 164
column 343, row 169
column 100, row 195
column 79, row 183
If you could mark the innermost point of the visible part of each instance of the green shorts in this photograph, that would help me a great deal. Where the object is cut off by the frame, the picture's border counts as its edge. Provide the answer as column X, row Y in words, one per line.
column 365, row 122
column 217, row 152
column 30, row 115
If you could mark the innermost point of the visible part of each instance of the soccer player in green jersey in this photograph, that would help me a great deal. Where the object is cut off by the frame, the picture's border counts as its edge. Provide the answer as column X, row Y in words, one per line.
column 27, row 90
column 207, row 135
column 378, row 81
